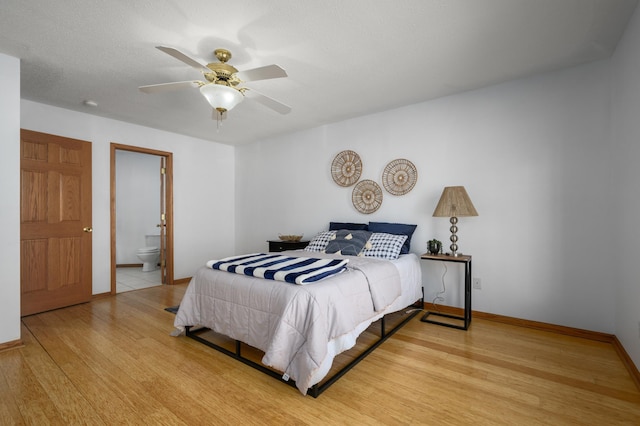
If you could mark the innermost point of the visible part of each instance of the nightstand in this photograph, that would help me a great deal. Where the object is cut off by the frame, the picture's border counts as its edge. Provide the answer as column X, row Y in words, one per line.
column 279, row 245
column 466, row 319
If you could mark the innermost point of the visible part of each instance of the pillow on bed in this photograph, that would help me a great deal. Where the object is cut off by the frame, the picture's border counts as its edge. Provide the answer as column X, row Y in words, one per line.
column 384, row 246
column 335, row 226
column 396, row 229
column 348, row 243
column 320, row 241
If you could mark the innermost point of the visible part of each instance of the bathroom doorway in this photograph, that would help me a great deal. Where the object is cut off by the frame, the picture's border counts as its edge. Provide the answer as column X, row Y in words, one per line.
column 141, row 218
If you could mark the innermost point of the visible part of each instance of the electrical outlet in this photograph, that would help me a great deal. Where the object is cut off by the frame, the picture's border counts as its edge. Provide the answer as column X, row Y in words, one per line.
column 477, row 284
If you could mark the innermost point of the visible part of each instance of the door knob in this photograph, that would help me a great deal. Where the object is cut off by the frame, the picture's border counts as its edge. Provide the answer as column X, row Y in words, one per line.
column 87, row 229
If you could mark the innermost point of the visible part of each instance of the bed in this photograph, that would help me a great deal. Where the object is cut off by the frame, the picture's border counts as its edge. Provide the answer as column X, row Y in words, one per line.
column 300, row 328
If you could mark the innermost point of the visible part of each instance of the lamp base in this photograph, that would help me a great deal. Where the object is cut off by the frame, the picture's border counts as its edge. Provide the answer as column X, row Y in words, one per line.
column 454, row 237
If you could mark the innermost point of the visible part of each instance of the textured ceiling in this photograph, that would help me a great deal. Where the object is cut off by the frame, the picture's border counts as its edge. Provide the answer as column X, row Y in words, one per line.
column 344, row 58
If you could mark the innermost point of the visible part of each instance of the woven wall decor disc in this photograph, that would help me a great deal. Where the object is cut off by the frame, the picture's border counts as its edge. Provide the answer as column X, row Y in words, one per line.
column 399, row 177
column 367, row 196
column 346, row 168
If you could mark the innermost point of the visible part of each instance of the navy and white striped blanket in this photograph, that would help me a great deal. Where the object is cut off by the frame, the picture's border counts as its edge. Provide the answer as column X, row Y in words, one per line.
column 294, row 270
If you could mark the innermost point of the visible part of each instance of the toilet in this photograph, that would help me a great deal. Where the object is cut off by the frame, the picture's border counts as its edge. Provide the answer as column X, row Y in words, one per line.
column 150, row 255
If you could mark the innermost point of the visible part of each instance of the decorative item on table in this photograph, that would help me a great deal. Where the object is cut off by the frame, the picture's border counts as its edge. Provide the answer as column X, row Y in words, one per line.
column 454, row 202
column 434, row 246
column 399, row 177
column 290, row 238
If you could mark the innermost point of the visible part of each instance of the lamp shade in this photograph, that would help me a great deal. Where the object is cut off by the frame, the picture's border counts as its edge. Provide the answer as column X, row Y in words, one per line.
column 454, row 202
column 221, row 97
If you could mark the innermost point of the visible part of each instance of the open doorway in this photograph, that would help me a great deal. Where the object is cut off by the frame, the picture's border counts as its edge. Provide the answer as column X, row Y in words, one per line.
column 141, row 218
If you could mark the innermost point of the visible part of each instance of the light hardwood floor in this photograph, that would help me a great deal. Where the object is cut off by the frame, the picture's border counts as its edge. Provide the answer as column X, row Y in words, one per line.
column 112, row 361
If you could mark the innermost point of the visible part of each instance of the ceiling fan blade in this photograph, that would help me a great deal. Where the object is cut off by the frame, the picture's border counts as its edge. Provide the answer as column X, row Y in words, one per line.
column 184, row 58
column 261, row 73
column 267, row 101
column 167, row 87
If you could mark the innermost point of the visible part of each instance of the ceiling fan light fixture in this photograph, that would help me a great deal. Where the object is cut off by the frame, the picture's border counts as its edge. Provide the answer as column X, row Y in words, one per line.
column 221, row 97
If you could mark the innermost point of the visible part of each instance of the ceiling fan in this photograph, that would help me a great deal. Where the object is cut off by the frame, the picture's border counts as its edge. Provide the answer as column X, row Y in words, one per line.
column 222, row 86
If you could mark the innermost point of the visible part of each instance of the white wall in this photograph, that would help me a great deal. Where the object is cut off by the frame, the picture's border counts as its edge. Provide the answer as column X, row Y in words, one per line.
column 137, row 203
column 203, row 185
column 626, row 203
column 534, row 156
column 10, row 198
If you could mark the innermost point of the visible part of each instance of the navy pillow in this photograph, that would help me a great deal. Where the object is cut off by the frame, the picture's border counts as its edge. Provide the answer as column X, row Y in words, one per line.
column 348, row 243
column 336, row 226
column 395, row 229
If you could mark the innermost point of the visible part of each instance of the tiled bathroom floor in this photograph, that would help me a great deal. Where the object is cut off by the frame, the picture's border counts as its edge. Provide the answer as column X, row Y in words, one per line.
column 128, row 279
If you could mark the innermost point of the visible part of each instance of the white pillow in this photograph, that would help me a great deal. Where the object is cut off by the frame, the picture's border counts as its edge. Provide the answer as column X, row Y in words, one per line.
column 320, row 241
column 384, row 246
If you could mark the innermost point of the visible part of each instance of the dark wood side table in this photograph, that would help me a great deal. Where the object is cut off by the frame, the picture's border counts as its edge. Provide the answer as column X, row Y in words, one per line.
column 278, row 245
column 466, row 319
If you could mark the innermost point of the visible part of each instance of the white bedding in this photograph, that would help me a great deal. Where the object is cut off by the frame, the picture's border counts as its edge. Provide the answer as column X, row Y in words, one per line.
column 301, row 328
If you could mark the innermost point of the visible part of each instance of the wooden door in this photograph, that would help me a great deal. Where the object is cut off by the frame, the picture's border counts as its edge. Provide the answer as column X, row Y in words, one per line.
column 55, row 222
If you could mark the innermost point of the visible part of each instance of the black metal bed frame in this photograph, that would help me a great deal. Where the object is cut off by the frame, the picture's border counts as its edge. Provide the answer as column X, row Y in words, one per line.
column 318, row 388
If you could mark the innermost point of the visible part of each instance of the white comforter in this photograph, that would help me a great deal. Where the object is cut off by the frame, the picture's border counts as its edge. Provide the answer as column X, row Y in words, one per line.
column 291, row 324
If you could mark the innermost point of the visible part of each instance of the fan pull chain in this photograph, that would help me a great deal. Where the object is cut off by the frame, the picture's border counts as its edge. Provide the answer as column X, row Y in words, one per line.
column 218, row 120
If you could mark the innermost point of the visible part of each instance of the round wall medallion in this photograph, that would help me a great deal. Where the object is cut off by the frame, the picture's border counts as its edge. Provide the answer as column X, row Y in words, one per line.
column 399, row 177
column 367, row 196
column 346, row 168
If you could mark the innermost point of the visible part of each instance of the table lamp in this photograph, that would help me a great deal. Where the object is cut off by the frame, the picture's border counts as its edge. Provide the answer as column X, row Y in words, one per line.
column 454, row 202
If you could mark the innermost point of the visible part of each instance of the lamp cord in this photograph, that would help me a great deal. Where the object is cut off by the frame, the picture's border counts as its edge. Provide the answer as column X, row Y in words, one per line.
column 438, row 297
